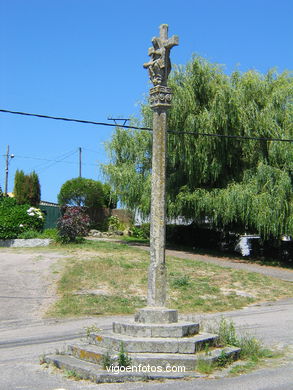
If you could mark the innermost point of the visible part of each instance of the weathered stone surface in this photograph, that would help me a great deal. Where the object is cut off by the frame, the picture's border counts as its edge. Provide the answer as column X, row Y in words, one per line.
column 159, row 68
column 189, row 345
column 87, row 352
column 86, row 369
column 156, row 315
column 94, row 373
column 157, row 276
column 25, row 243
column 159, row 65
column 188, row 361
column 160, row 96
column 156, row 330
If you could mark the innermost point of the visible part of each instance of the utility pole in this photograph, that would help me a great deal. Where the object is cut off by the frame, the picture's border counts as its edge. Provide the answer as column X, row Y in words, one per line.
column 7, row 169
column 79, row 161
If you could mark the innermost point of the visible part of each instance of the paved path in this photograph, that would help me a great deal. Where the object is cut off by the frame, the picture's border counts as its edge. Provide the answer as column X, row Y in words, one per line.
column 24, row 336
column 22, row 344
column 276, row 272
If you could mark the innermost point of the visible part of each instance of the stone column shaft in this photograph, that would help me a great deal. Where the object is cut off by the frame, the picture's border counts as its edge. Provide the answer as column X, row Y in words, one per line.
column 157, row 279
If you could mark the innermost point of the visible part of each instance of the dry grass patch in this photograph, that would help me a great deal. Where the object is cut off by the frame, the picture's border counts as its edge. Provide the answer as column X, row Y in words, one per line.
column 202, row 287
column 111, row 278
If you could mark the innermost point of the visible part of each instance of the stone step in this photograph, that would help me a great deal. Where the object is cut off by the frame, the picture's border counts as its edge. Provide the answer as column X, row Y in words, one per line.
column 188, row 361
column 94, row 354
column 134, row 329
column 192, row 344
column 92, row 372
column 88, row 352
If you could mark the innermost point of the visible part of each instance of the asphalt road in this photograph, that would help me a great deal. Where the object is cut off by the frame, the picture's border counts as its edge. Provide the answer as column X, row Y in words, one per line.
column 25, row 337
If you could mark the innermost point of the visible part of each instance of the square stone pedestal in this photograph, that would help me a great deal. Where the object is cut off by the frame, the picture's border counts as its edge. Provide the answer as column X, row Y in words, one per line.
column 156, row 315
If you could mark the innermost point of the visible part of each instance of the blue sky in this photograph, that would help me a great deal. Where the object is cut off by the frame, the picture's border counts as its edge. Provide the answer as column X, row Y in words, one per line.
column 83, row 59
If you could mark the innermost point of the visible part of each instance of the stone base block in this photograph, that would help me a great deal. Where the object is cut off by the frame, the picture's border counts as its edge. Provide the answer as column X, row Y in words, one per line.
column 180, row 329
column 156, row 315
column 189, row 345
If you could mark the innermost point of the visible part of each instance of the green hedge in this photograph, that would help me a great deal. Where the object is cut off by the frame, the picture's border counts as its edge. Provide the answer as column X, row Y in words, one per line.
column 16, row 219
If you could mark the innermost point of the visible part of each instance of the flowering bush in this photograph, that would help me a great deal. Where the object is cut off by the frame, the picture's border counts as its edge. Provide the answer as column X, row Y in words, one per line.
column 16, row 219
column 73, row 224
column 34, row 212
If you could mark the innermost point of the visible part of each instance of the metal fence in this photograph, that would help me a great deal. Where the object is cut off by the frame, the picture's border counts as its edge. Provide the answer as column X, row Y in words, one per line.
column 52, row 213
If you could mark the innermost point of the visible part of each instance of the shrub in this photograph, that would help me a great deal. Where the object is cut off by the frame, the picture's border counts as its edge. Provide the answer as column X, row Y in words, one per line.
column 82, row 192
column 113, row 223
column 29, row 234
column 141, row 232
column 73, row 224
column 50, row 233
column 90, row 194
column 227, row 332
column 251, row 347
column 16, row 219
column 123, row 359
column 107, row 361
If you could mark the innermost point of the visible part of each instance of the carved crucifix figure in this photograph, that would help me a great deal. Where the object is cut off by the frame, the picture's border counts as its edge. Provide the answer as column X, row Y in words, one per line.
column 160, row 66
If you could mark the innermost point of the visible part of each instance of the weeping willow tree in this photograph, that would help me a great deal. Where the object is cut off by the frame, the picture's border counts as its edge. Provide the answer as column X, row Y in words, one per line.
column 234, row 183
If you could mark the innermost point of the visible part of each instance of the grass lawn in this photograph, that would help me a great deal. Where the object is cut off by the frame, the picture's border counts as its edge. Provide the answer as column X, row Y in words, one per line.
column 101, row 278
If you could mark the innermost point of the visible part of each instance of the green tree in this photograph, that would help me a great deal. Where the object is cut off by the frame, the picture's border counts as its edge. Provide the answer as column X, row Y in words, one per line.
column 245, row 184
column 82, row 192
column 110, row 198
column 35, row 189
column 27, row 188
column 90, row 194
column 18, row 190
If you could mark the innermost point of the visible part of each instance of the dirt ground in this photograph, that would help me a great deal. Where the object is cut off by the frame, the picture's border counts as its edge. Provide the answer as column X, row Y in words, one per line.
column 27, row 283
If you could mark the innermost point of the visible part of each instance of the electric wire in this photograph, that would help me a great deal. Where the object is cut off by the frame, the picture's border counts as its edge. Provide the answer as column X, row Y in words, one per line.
column 49, row 160
column 62, row 157
column 91, row 150
column 56, row 162
column 238, row 137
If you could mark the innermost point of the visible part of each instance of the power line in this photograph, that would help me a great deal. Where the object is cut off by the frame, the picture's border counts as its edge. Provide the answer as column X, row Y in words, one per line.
column 65, row 119
column 91, row 150
column 55, row 162
column 239, row 137
column 57, row 159
column 52, row 160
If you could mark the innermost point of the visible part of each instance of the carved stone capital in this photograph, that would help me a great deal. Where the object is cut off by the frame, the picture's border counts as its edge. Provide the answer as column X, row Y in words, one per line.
column 160, row 96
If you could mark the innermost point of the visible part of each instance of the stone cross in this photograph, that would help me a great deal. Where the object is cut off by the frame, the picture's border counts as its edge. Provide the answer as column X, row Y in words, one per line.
column 160, row 65
column 159, row 68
